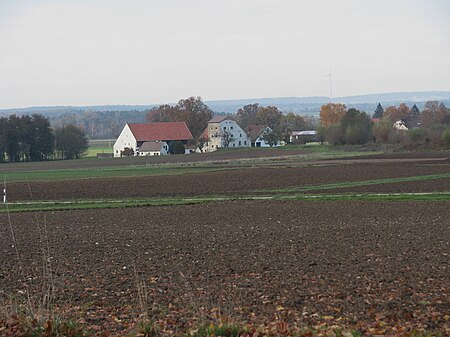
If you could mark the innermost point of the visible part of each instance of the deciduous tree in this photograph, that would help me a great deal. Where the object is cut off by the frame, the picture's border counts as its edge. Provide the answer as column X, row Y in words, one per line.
column 395, row 114
column 71, row 142
column 291, row 122
column 192, row 111
column 434, row 112
column 270, row 138
column 269, row 115
column 227, row 138
column 332, row 113
column 247, row 115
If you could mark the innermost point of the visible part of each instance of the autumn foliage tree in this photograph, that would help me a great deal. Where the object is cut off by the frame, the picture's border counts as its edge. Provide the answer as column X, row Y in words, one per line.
column 247, row 115
column 332, row 113
column 434, row 112
column 192, row 111
column 394, row 113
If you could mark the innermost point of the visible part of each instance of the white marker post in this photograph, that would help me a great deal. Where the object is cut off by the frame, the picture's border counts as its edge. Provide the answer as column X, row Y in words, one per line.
column 4, row 195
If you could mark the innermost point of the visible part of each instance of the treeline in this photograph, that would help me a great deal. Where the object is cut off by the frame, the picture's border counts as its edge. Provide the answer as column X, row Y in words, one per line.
column 31, row 138
column 192, row 110
column 393, row 125
column 99, row 124
column 196, row 114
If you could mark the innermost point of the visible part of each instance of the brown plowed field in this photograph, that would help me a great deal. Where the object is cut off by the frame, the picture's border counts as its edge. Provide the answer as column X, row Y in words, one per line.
column 357, row 260
column 238, row 181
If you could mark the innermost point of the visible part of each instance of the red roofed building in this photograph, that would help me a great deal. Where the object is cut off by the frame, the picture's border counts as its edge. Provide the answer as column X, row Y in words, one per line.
column 134, row 135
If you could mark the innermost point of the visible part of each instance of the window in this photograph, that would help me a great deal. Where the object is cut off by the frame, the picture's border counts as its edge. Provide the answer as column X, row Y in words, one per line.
column 231, row 127
column 239, row 142
column 245, row 142
column 224, row 128
column 240, row 135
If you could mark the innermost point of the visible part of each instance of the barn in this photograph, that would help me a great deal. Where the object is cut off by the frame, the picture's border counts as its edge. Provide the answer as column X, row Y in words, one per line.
column 135, row 135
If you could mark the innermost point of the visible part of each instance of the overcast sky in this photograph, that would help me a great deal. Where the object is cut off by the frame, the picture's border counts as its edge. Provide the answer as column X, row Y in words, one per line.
column 84, row 52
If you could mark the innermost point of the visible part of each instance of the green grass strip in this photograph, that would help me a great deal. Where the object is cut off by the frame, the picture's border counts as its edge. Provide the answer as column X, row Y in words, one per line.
column 440, row 196
column 355, row 183
column 104, row 204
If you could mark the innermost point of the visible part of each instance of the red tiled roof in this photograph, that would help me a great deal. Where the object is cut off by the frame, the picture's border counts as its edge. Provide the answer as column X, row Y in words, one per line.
column 204, row 134
column 160, row 131
column 254, row 131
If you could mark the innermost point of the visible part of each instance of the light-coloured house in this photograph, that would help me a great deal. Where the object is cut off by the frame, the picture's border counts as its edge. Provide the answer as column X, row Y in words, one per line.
column 188, row 149
column 153, row 149
column 133, row 136
column 224, row 131
column 256, row 133
column 400, row 125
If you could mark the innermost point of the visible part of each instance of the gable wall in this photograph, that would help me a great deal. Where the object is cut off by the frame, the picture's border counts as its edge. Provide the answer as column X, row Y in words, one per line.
column 125, row 139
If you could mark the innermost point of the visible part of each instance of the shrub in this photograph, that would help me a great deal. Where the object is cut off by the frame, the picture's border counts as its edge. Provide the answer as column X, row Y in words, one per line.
column 436, row 134
column 127, row 152
column 446, row 138
column 334, row 135
column 418, row 136
column 176, row 147
column 381, row 131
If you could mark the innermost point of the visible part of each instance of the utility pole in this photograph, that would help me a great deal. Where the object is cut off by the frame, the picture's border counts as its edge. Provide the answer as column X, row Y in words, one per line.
column 4, row 190
column 331, row 84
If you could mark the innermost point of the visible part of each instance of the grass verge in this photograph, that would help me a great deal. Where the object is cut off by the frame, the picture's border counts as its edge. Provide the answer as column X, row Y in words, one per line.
column 354, row 184
column 176, row 201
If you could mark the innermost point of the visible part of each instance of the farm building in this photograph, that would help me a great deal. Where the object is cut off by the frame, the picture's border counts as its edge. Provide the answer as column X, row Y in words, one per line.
column 303, row 137
column 153, row 149
column 134, row 136
column 224, row 131
column 256, row 133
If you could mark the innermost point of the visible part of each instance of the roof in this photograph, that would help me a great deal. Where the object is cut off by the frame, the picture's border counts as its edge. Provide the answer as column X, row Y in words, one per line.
column 218, row 119
column 160, row 131
column 254, row 131
column 304, row 133
column 151, row 146
column 204, row 134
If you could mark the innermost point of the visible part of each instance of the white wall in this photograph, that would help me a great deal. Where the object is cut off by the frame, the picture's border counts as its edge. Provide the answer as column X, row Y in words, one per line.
column 215, row 131
column 125, row 139
column 262, row 141
column 164, row 151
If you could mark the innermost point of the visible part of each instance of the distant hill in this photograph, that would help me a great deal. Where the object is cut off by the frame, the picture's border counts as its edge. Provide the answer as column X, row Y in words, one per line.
column 299, row 105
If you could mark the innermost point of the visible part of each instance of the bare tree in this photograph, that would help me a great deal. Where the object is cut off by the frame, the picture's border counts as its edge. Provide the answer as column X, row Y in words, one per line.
column 227, row 138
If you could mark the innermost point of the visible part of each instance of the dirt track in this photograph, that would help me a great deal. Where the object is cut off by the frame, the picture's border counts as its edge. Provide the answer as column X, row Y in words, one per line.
column 352, row 259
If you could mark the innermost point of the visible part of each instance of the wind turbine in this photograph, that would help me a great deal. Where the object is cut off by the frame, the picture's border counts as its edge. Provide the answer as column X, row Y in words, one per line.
column 330, row 75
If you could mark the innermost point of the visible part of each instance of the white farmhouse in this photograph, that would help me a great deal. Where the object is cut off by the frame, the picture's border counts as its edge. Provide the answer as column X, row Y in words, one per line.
column 224, row 131
column 256, row 133
column 134, row 136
